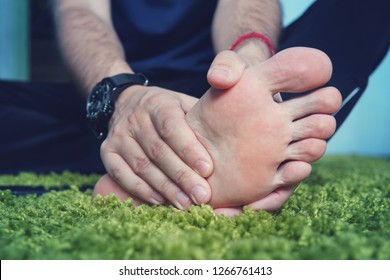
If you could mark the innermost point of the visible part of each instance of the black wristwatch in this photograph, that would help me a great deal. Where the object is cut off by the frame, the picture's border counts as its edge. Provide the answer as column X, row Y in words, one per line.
column 101, row 100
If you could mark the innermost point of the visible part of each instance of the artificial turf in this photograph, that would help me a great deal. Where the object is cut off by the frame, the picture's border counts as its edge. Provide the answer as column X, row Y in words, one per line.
column 342, row 211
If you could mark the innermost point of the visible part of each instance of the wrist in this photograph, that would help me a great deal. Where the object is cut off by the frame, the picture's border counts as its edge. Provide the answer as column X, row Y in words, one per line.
column 102, row 99
column 128, row 94
column 253, row 47
column 253, row 51
column 119, row 66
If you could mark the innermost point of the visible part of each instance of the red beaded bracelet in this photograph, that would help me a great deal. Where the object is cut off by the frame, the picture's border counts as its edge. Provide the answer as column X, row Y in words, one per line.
column 251, row 35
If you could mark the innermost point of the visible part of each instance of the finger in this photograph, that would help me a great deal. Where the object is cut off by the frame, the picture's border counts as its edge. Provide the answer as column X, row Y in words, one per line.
column 186, row 102
column 226, row 70
column 322, row 101
column 194, row 154
column 122, row 174
column 307, row 150
column 170, row 163
column 172, row 127
column 295, row 70
column 141, row 166
column 314, row 126
column 274, row 200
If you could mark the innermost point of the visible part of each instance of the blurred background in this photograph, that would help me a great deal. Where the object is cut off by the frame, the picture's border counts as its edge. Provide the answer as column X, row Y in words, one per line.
column 28, row 52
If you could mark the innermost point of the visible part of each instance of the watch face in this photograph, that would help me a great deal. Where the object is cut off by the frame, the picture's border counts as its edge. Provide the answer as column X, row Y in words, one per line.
column 98, row 102
column 101, row 101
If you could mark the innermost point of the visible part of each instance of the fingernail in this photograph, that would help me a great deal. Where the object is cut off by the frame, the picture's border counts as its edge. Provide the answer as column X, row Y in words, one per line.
column 183, row 200
column 198, row 194
column 157, row 198
column 203, row 168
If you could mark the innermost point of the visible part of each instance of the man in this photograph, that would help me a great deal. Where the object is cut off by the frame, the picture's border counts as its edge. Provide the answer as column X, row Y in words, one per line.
column 261, row 148
column 151, row 151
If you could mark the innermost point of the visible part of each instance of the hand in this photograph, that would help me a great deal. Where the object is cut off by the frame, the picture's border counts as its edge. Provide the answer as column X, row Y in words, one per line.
column 225, row 72
column 152, row 153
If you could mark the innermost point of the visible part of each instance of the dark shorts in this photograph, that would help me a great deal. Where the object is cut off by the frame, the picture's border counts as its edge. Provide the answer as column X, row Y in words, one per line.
column 43, row 126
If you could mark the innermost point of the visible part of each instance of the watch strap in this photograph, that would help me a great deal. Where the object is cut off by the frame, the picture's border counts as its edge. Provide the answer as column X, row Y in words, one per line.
column 122, row 80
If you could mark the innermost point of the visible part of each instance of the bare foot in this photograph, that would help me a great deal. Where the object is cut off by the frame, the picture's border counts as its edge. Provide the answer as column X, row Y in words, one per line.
column 106, row 186
column 260, row 146
column 262, row 149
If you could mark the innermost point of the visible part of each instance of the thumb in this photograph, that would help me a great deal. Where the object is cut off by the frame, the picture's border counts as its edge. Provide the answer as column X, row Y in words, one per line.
column 226, row 70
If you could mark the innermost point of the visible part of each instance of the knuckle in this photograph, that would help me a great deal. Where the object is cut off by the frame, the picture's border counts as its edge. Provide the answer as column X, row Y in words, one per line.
column 311, row 151
column 140, row 165
column 183, row 176
column 315, row 151
column 165, row 186
column 188, row 149
column 137, row 189
column 158, row 150
column 325, row 126
column 104, row 147
column 116, row 173
column 330, row 99
column 327, row 101
column 167, row 126
column 132, row 121
column 318, row 125
column 117, row 134
column 151, row 100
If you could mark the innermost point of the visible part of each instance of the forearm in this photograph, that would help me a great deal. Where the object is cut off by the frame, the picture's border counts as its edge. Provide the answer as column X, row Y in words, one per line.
column 234, row 18
column 89, row 45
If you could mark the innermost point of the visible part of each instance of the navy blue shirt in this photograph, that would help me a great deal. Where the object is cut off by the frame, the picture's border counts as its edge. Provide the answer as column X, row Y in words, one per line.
column 166, row 38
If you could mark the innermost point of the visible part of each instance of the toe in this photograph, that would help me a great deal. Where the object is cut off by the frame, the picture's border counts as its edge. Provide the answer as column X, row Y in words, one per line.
column 274, row 200
column 296, row 70
column 322, row 101
column 292, row 173
column 307, row 150
column 319, row 126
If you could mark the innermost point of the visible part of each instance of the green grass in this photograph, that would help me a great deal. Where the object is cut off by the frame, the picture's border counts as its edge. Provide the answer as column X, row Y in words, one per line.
column 341, row 212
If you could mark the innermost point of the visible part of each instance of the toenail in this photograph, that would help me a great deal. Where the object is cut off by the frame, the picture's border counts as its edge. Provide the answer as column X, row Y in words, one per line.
column 220, row 70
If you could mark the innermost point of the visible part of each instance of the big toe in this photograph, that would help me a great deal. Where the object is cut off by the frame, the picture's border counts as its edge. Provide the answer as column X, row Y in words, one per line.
column 296, row 69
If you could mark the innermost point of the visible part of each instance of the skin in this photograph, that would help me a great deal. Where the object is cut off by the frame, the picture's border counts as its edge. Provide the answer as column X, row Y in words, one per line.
column 261, row 148
column 140, row 153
